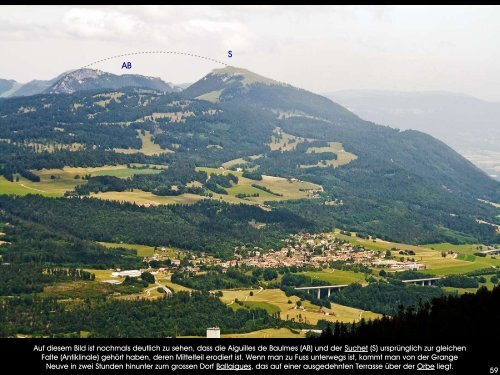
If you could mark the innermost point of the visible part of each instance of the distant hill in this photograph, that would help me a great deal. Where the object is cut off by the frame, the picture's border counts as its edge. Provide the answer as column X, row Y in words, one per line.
column 35, row 87
column 89, row 79
column 7, row 86
column 469, row 125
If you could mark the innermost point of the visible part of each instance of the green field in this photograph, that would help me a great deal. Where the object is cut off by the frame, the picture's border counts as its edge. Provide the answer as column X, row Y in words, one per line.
column 126, row 172
column 142, row 250
column 283, row 333
column 7, row 187
column 270, row 308
column 175, row 287
column 336, row 277
column 466, row 257
column 148, row 251
column 464, row 248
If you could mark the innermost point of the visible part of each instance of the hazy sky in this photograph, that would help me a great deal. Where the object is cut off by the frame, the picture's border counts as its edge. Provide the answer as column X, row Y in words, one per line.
column 317, row 48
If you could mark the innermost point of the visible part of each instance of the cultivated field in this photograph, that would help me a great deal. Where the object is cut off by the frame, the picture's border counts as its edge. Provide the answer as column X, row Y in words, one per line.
column 288, row 311
column 337, row 277
column 7, row 187
column 268, row 333
column 147, row 251
column 142, row 250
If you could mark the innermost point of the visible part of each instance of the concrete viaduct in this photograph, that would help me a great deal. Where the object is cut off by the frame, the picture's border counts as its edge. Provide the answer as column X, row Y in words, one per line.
column 427, row 281
column 491, row 252
column 329, row 289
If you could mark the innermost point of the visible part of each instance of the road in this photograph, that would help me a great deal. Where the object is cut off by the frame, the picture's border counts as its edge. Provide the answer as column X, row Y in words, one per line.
column 158, row 285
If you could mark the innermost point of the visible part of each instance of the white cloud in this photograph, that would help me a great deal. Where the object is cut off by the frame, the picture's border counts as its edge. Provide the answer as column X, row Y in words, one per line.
column 102, row 24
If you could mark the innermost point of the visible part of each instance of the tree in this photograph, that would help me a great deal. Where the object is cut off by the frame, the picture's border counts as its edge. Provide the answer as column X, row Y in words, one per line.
column 382, row 273
column 148, row 277
column 270, row 274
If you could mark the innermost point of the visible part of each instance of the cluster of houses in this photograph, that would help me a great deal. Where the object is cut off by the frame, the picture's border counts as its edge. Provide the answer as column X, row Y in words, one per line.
column 317, row 250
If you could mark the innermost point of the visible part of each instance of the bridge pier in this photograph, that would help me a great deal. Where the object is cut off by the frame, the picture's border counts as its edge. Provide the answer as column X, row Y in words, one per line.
column 329, row 289
column 423, row 282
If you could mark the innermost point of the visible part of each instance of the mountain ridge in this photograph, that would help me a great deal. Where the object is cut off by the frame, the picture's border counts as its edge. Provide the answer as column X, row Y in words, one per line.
column 92, row 79
column 86, row 79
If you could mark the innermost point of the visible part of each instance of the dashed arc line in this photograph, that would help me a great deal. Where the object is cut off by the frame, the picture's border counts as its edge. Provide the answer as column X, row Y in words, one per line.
column 154, row 52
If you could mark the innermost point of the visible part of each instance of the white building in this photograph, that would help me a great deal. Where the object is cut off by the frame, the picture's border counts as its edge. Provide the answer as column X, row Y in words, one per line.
column 213, row 333
column 130, row 273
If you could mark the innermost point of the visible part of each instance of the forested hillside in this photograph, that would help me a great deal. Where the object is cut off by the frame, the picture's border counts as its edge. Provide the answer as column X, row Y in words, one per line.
column 404, row 186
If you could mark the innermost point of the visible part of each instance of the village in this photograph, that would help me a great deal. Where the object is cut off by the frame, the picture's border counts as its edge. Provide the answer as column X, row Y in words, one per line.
column 300, row 250
column 319, row 251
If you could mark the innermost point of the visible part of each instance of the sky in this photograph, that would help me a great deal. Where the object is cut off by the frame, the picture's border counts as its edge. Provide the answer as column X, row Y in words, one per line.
column 322, row 49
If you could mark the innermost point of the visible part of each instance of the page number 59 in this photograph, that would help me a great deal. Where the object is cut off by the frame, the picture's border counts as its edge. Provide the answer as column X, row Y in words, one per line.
column 493, row 370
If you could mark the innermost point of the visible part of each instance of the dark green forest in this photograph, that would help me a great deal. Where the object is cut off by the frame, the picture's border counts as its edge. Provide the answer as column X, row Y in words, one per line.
column 183, row 314
column 209, row 226
column 385, row 298
column 215, row 280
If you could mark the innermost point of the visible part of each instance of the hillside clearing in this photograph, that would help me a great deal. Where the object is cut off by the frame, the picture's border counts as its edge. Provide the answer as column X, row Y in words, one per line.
column 343, row 157
column 146, row 198
column 148, row 146
column 287, row 188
